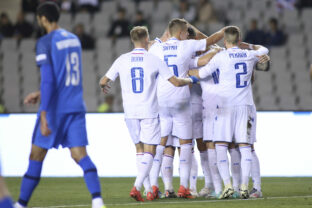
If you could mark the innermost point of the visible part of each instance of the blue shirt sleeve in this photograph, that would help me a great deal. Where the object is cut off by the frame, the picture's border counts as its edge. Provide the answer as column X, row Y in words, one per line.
column 43, row 52
column 47, row 85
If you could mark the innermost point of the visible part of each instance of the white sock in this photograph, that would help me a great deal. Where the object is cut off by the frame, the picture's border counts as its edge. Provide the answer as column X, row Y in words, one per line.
column 146, row 182
column 223, row 163
column 216, row 178
column 194, row 173
column 97, row 202
column 245, row 163
column 206, row 170
column 167, row 171
column 145, row 167
column 156, row 165
column 185, row 163
column 235, row 168
column 255, row 171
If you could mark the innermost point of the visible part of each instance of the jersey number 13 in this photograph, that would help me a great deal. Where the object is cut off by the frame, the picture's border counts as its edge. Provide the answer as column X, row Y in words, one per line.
column 72, row 69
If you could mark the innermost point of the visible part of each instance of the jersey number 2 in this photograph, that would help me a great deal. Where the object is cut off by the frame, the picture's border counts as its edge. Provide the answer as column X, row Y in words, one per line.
column 137, row 75
column 238, row 75
column 72, row 69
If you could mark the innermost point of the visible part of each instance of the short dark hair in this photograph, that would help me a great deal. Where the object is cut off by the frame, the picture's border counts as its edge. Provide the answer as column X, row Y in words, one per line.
column 232, row 34
column 191, row 32
column 50, row 10
column 273, row 20
column 176, row 24
column 138, row 33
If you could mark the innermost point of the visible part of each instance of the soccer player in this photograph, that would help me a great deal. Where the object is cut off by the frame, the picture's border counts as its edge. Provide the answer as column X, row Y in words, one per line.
column 234, row 105
column 61, row 117
column 138, row 72
column 174, row 102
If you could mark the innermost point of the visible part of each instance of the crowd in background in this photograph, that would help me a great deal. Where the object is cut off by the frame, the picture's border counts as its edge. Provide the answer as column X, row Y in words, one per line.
column 199, row 13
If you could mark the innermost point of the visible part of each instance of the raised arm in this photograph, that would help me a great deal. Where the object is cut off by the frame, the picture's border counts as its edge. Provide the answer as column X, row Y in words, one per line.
column 203, row 60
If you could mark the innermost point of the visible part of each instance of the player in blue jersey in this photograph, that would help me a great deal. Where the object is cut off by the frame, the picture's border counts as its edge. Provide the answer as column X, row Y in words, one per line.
column 5, row 199
column 61, row 117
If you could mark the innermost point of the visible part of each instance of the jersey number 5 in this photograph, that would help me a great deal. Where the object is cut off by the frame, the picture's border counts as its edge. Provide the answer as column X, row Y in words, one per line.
column 72, row 69
column 174, row 67
column 137, row 75
column 238, row 66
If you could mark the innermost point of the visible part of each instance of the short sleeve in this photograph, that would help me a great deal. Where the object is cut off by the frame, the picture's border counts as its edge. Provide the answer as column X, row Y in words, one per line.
column 261, row 51
column 43, row 52
column 112, row 73
column 196, row 45
column 164, row 71
column 207, row 70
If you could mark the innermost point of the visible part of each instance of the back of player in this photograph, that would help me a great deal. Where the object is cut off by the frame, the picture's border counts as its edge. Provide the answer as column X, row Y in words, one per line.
column 62, row 50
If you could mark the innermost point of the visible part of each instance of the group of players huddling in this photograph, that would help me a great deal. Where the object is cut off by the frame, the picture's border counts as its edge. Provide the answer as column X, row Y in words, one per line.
column 172, row 109
column 176, row 89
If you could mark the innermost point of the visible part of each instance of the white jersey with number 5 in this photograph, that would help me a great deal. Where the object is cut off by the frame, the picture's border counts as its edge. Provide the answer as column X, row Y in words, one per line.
column 138, row 71
column 236, row 66
column 177, row 55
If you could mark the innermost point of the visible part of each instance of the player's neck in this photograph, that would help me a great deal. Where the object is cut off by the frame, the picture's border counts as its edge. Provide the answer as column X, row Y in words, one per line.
column 139, row 45
column 230, row 46
column 175, row 37
column 51, row 27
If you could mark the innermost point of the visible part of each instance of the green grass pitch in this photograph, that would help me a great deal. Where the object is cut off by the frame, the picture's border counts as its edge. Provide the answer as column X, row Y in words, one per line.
column 72, row 192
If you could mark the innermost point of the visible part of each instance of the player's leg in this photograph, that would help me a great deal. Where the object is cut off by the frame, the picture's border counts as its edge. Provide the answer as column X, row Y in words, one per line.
column 5, row 198
column 193, row 175
column 166, row 128
column 255, row 175
column 243, row 139
column 32, row 175
column 79, row 154
column 167, row 171
column 235, row 168
column 213, row 166
column 223, row 134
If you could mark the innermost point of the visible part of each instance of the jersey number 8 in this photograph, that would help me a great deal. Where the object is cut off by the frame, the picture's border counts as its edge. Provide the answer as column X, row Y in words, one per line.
column 137, row 75
column 72, row 69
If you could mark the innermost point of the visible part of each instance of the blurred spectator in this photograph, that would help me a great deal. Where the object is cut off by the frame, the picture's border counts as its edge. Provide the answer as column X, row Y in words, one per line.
column 285, row 4
column 255, row 35
column 68, row 6
column 107, row 105
column 206, row 12
column 90, row 6
column 23, row 29
column 87, row 41
column 275, row 36
column 29, row 5
column 140, row 20
column 185, row 11
column 300, row 4
column 6, row 27
column 120, row 26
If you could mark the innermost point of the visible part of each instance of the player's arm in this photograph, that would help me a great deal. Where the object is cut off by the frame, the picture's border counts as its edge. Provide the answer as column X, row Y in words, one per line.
column 47, row 90
column 32, row 98
column 104, row 84
column 203, row 60
column 264, row 63
column 204, row 71
column 180, row 82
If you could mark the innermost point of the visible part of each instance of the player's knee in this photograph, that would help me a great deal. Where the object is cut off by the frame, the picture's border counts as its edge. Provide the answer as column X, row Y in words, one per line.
column 210, row 145
column 37, row 153
column 169, row 151
column 201, row 146
column 78, row 153
column 163, row 141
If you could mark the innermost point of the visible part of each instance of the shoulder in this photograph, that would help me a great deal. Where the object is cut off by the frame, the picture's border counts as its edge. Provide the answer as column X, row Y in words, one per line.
column 44, row 43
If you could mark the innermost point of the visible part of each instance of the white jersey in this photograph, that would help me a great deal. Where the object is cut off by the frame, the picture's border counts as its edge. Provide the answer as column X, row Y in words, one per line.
column 177, row 54
column 236, row 67
column 138, row 72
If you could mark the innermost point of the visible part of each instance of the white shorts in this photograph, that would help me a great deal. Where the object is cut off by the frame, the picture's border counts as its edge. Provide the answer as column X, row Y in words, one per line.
column 146, row 130
column 233, row 124
column 175, row 142
column 176, row 121
column 253, row 132
column 197, row 120
column 209, row 115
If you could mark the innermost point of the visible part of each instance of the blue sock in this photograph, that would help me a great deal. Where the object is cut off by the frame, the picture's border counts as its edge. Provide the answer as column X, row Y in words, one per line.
column 91, row 176
column 6, row 203
column 30, row 181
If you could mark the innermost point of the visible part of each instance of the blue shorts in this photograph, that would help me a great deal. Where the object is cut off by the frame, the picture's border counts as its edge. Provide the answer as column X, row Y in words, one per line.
column 68, row 130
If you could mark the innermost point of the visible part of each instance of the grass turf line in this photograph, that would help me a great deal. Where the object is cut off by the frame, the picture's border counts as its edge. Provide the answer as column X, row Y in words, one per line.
column 72, row 192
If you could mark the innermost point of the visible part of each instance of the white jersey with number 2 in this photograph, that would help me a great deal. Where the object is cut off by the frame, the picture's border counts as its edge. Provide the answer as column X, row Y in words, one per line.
column 235, row 66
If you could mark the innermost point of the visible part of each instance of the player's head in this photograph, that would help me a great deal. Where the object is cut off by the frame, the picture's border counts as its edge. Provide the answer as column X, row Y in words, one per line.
column 47, row 13
column 139, row 36
column 191, row 33
column 178, row 28
column 232, row 36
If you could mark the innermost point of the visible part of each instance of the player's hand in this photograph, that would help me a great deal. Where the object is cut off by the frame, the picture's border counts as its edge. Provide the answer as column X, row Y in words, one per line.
column 44, row 128
column 264, row 59
column 104, row 84
column 32, row 98
column 105, row 88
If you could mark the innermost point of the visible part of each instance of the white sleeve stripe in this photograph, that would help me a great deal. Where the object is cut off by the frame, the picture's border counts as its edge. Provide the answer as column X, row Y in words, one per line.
column 41, row 57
